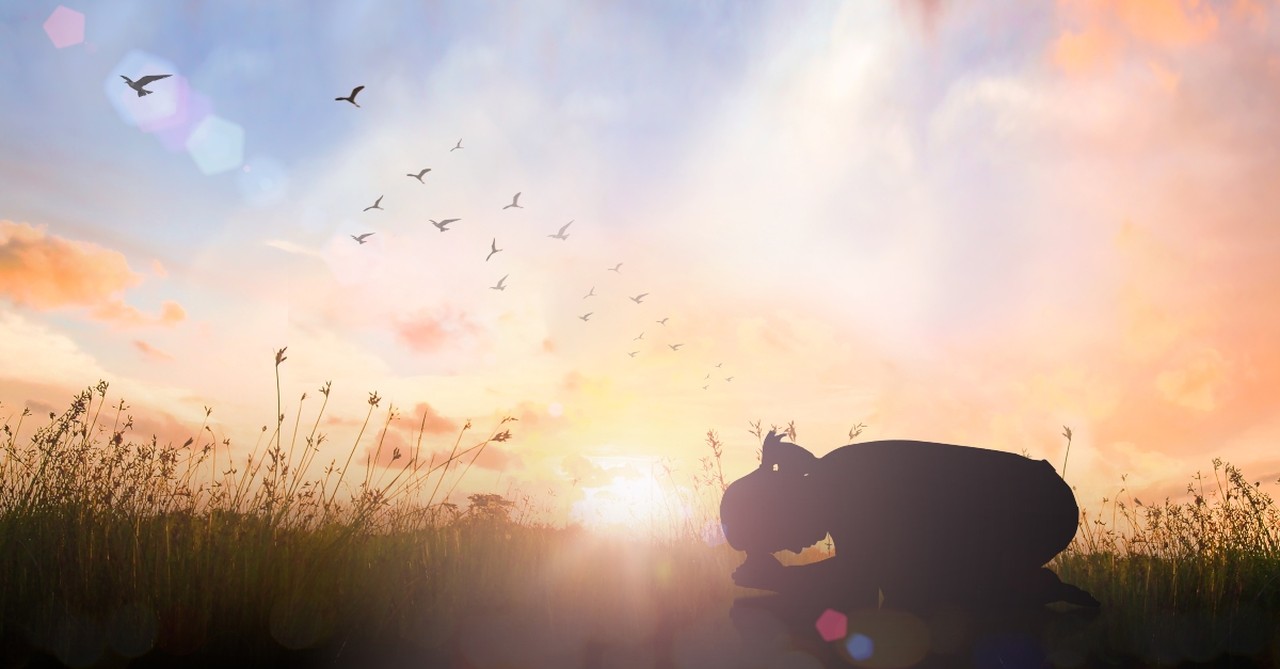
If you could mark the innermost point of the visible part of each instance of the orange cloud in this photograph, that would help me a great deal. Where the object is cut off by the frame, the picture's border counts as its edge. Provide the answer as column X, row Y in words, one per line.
column 1080, row 52
column 425, row 418
column 44, row 271
column 1111, row 27
column 151, row 351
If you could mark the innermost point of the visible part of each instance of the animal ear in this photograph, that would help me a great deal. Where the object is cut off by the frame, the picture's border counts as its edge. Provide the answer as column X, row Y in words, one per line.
column 785, row 457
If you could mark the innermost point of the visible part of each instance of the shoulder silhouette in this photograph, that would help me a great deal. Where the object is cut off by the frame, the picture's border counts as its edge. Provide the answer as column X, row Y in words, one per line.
column 916, row 521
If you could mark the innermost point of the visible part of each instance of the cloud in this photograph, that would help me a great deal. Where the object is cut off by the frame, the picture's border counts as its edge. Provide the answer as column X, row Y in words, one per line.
column 45, row 272
column 424, row 417
column 1098, row 32
column 429, row 332
column 150, row 351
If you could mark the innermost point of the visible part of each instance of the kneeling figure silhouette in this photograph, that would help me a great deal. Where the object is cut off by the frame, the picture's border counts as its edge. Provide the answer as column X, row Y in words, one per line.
column 919, row 522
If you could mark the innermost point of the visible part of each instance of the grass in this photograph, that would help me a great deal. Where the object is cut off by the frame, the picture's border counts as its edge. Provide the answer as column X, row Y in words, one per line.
column 118, row 548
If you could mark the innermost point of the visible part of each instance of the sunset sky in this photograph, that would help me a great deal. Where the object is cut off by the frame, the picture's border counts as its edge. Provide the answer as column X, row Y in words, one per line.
column 959, row 221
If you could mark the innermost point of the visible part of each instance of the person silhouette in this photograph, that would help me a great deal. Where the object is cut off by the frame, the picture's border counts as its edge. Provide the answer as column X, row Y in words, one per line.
column 915, row 522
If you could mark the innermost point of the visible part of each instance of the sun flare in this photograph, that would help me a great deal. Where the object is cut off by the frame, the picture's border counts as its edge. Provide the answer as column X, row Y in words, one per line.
column 632, row 499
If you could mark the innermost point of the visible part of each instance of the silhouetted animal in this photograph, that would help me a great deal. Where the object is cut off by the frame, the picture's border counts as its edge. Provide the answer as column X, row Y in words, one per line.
column 921, row 522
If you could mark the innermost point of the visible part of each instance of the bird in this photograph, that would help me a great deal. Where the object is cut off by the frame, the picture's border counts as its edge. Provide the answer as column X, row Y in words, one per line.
column 419, row 175
column 719, row 365
column 362, row 237
column 377, row 204
column 501, row 283
column 457, row 146
column 515, row 199
column 443, row 224
column 493, row 248
column 633, row 353
column 663, row 321
column 352, row 98
column 586, row 316
column 615, row 268
column 708, row 376
column 593, row 292
column 560, row 235
column 143, row 81
column 675, row 347
column 638, row 298
column 705, row 387
column 641, row 336
column 728, row 378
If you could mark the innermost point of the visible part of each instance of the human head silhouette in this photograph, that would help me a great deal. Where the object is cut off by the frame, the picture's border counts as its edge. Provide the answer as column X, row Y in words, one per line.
column 777, row 506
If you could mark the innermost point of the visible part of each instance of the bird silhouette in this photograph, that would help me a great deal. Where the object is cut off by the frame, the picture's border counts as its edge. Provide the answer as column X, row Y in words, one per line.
column 705, row 387
column 585, row 316
column 443, row 225
column 457, row 146
column 352, row 98
column 502, row 283
column 663, row 321
column 515, row 200
column 493, row 248
column 641, row 336
column 362, row 237
column 638, row 298
column 706, row 377
column 593, row 292
column 377, row 204
column 561, row 235
column 143, row 81
column 633, row 353
column 615, row 268
column 419, row 175
column 728, row 378
column 719, row 364
column 675, row 347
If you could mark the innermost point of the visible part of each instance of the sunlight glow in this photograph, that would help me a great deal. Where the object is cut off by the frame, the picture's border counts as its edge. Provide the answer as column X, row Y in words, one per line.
column 633, row 501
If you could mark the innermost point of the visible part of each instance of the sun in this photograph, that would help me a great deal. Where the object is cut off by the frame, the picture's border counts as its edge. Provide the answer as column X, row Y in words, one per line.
column 634, row 501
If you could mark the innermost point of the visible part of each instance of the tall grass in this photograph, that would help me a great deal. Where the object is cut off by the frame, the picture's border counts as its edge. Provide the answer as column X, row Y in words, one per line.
column 115, row 545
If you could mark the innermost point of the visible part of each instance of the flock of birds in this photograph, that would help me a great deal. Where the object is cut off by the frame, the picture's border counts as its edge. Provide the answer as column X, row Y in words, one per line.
column 442, row 225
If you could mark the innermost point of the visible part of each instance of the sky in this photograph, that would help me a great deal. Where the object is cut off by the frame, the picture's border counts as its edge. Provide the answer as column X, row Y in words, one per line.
column 949, row 220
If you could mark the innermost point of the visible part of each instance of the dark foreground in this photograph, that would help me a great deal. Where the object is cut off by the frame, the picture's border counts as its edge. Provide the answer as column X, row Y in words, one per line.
column 761, row 631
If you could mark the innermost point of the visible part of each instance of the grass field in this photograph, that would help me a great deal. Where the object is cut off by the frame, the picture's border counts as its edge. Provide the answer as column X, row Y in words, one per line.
column 133, row 553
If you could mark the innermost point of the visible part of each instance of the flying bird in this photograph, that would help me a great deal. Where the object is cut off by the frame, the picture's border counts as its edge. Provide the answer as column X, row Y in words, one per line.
column 419, row 175
column 705, row 387
column 138, row 85
column 663, row 321
column 493, row 248
column 593, row 292
column 706, row 377
column 361, row 238
column 675, row 347
column 377, row 204
column 585, row 316
column 719, row 364
column 728, row 378
column 443, row 225
column 615, row 268
column 639, row 337
column 456, row 147
column 638, row 298
column 352, row 98
column 560, row 235
column 515, row 202
column 633, row 353
column 502, row 283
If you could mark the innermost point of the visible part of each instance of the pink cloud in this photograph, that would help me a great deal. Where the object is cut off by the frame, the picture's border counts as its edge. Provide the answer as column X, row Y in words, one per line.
column 151, row 351
column 431, row 332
